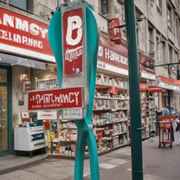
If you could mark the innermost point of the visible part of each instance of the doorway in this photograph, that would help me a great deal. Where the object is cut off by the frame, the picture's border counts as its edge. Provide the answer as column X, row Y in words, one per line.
column 5, row 129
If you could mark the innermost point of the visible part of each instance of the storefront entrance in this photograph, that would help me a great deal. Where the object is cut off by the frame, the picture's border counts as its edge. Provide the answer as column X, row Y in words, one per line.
column 4, row 110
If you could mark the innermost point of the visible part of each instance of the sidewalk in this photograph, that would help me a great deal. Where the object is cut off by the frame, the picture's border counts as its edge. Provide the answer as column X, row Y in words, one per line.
column 159, row 164
column 11, row 162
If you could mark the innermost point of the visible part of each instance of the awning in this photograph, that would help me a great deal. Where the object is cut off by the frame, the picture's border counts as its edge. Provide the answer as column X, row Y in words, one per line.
column 168, row 83
column 19, row 61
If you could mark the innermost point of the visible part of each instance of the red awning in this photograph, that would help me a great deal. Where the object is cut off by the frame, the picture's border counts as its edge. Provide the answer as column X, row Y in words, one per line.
column 151, row 89
column 169, row 80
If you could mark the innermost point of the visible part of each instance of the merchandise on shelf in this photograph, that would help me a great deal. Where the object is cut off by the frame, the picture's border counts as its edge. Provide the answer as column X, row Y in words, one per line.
column 110, row 120
column 148, row 114
column 29, row 137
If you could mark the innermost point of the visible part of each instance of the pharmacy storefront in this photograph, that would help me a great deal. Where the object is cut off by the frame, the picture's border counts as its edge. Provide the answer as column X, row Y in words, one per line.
column 25, row 58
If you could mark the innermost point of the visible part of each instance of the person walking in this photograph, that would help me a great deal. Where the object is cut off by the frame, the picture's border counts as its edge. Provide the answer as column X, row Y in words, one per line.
column 176, row 129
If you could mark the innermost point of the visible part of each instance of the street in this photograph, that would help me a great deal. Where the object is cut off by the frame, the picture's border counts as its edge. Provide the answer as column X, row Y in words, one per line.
column 159, row 164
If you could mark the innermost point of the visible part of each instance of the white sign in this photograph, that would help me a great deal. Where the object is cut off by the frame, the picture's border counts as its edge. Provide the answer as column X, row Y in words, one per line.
column 72, row 114
column 47, row 115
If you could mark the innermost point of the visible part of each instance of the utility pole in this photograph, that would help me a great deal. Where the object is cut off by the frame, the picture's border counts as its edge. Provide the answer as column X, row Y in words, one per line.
column 134, row 91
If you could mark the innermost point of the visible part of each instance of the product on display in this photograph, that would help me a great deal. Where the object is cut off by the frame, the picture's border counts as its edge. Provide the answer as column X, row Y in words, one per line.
column 29, row 137
column 110, row 120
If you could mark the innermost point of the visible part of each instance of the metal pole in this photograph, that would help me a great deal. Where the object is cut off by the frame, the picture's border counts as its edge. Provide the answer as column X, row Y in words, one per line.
column 134, row 75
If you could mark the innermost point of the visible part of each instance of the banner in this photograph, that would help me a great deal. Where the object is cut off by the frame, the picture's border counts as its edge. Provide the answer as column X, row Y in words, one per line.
column 73, row 41
column 55, row 99
column 24, row 35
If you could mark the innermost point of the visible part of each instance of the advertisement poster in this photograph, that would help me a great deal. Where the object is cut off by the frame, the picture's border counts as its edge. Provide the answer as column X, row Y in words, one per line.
column 73, row 41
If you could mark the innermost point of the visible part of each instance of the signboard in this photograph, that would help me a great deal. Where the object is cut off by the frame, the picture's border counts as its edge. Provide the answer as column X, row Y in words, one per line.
column 73, row 41
column 23, row 35
column 114, row 30
column 55, row 99
column 47, row 115
column 74, row 114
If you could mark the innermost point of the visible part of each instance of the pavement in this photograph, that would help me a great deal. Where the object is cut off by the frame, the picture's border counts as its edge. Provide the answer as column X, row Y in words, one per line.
column 159, row 164
column 11, row 163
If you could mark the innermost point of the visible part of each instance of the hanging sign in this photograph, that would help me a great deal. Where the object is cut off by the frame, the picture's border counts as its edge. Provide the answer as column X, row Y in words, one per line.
column 73, row 44
column 24, row 35
column 114, row 30
column 55, row 99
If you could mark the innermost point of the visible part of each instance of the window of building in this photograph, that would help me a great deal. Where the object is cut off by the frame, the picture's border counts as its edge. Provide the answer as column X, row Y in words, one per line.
column 151, row 42
column 26, row 5
column 164, row 57
column 152, row 3
column 104, row 7
column 159, row 5
column 158, row 49
column 169, row 17
column 170, row 54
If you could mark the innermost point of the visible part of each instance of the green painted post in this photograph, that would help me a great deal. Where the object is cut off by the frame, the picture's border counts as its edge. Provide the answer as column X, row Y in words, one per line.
column 134, row 76
column 85, row 131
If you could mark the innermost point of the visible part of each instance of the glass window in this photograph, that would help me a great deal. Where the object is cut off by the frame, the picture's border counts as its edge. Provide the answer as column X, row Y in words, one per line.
column 3, row 75
column 104, row 7
column 159, row 5
column 151, row 42
column 22, row 4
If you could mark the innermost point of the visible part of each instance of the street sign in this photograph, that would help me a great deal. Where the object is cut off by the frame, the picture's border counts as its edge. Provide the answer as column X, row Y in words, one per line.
column 73, row 38
column 55, row 99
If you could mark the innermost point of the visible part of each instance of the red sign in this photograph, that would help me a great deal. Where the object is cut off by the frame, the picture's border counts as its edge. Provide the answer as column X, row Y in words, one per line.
column 55, row 99
column 113, row 54
column 23, row 35
column 114, row 30
column 73, row 41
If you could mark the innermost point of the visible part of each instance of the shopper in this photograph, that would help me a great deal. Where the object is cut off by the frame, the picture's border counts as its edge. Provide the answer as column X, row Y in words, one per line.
column 176, row 130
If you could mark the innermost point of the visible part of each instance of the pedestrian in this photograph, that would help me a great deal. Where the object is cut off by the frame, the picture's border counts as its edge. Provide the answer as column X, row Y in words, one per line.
column 176, row 130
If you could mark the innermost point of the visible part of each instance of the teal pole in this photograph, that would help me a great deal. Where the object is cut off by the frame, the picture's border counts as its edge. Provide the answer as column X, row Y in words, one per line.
column 134, row 76
column 85, row 130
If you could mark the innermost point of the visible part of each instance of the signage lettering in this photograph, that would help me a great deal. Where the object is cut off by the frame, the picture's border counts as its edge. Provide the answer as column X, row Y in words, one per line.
column 109, row 55
column 23, row 32
column 74, row 24
column 56, row 98
column 73, row 41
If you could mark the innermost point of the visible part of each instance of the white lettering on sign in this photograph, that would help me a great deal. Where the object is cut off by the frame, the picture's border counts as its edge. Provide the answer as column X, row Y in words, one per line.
column 20, row 39
column 72, row 114
column 23, row 25
column 69, row 98
column 106, row 53
column 74, row 23
column 72, row 54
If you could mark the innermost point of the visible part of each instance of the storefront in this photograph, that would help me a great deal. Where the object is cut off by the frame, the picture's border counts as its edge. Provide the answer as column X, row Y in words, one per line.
column 5, row 109
column 170, row 96
column 25, row 58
